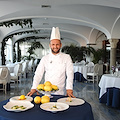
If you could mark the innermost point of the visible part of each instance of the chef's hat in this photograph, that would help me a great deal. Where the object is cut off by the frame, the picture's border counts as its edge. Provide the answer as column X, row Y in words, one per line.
column 55, row 34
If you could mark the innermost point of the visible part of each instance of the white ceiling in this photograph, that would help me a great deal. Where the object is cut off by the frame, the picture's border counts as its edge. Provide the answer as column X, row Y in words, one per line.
column 78, row 20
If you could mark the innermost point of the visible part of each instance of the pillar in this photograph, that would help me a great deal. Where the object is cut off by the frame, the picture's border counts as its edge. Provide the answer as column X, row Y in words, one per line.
column 113, row 44
column 0, row 54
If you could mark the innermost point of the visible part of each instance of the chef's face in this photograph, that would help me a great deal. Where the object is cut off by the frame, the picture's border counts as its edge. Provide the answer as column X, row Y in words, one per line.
column 55, row 46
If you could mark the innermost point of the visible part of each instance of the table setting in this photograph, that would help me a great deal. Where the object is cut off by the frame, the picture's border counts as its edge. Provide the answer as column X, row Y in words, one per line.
column 44, row 106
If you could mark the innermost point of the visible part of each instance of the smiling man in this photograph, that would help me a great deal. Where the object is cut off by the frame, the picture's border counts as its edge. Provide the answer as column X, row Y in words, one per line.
column 58, row 68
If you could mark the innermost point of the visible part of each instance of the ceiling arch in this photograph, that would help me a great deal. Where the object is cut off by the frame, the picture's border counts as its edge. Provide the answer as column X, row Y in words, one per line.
column 78, row 20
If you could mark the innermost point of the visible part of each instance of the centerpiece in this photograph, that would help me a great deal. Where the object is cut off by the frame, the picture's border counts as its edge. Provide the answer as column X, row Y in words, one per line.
column 113, row 70
column 47, row 88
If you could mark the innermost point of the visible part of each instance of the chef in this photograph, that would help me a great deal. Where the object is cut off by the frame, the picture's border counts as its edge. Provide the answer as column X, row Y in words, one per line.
column 58, row 68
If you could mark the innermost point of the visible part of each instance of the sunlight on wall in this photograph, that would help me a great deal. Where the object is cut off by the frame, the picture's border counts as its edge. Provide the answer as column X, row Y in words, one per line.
column 8, row 51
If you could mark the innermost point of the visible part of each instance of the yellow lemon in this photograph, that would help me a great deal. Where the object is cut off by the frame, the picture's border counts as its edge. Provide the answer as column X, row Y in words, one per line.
column 45, row 99
column 37, row 99
column 47, row 83
column 40, row 87
column 54, row 87
column 47, row 88
column 22, row 97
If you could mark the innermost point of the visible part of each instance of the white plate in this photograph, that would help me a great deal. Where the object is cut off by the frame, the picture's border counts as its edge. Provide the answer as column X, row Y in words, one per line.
column 16, row 98
column 75, row 101
column 50, row 106
column 26, row 104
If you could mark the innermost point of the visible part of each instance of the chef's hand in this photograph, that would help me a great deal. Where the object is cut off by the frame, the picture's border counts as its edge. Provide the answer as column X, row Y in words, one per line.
column 32, row 92
column 70, row 93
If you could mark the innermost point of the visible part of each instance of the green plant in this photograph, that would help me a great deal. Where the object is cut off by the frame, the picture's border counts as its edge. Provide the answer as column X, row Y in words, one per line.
column 74, row 51
column 98, row 54
column 79, row 53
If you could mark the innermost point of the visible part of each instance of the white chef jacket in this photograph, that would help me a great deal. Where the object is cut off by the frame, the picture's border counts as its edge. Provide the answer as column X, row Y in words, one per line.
column 58, row 70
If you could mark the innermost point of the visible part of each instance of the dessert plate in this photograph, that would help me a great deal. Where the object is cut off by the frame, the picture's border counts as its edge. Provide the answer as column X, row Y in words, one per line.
column 16, row 98
column 54, row 106
column 73, row 102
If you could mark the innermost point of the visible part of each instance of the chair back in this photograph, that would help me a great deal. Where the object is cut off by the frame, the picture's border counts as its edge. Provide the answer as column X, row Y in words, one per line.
column 96, row 68
column 16, row 69
column 82, row 62
column 35, row 62
column 30, row 64
column 24, row 65
column 3, row 73
column 90, row 64
column 20, row 67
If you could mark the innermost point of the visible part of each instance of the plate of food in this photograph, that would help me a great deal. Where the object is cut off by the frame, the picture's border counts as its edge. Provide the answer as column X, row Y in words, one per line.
column 54, row 106
column 71, row 101
column 21, row 98
column 18, row 106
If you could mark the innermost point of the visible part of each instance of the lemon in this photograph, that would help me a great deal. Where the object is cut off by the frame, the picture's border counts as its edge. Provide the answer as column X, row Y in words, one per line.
column 22, row 97
column 47, row 83
column 47, row 88
column 54, row 87
column 40, row 87
column 45, row 99
column 37, row 99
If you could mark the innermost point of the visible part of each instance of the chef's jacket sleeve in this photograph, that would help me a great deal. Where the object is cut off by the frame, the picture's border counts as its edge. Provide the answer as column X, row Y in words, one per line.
column 38, row 74
column 69, row 73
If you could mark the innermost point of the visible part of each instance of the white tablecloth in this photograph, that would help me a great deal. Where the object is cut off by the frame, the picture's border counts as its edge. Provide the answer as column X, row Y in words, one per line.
column 107, row 81
column 83, row 69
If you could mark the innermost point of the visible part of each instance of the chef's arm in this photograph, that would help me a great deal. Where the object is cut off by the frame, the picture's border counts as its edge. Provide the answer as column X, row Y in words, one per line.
column 32, row 92
column 70, row 93
column 70, row 75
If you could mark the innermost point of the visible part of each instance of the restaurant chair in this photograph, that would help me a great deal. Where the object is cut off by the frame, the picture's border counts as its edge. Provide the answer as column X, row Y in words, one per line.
column 20, row 71
column 35, row 64
column 92, row 76
column 82, row 62
column 90, row 66
column 15, row 75
column 4, row 72
column 30, row 66
column 23, row 71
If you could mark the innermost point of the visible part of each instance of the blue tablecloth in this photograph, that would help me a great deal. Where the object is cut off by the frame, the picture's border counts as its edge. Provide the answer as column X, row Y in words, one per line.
column 79, row 77
column 111, row 97
column 80, row 112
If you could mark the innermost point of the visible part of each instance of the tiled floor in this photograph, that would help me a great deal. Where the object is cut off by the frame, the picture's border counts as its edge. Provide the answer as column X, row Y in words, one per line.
column 87, row 91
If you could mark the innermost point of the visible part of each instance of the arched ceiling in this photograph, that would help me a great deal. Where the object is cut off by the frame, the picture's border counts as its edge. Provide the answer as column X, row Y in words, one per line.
column 78, row 20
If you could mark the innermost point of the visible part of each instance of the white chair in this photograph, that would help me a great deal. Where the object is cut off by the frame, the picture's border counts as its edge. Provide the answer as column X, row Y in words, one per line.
column 23, row 71
column 4, row 72
column 30, row 66
column 90, row 64
column 35, row 64
column 94, row 74
column 14, row 76
column 82, row 62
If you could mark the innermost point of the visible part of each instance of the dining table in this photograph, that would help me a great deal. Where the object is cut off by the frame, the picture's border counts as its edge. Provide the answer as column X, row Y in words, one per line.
column 80, row 72
column 77, row 112
column 110, row 90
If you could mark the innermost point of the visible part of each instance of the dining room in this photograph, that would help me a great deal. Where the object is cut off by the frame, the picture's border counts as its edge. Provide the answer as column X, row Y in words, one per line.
column 90, row 40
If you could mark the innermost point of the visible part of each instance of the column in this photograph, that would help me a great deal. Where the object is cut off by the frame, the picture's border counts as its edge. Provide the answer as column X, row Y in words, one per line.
column 0, row 54
column 113, row 44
